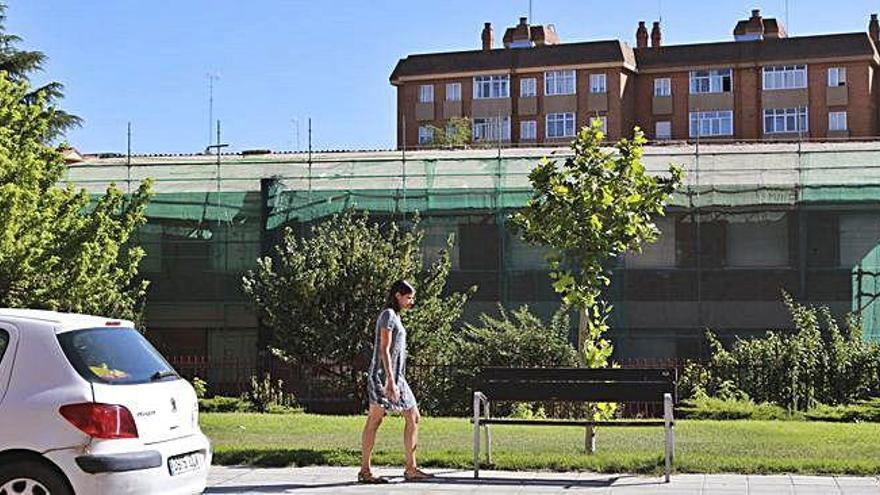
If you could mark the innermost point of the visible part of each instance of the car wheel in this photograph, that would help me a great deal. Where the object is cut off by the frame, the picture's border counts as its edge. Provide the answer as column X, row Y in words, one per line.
column 31, row 478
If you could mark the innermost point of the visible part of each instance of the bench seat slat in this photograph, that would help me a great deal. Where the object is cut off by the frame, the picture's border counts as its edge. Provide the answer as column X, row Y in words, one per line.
column 567, row 422
column 579, row 374
column 535, row 391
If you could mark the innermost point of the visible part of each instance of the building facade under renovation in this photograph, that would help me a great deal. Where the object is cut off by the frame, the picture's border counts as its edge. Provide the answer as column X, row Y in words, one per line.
column 751, row 221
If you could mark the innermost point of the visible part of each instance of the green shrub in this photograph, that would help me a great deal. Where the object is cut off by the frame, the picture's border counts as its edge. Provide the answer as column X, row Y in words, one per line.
column 265, row 394
column 817, row 363
column 868, row 411
column 220, row 404
column 705, row 407
column 514, row 339
column 200, row 386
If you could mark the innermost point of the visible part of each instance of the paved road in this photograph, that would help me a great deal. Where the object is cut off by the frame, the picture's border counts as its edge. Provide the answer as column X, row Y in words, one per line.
column 332, row 480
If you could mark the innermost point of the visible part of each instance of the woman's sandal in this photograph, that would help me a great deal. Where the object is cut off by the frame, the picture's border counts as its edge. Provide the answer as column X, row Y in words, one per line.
column 367, row 478
column 417, row 475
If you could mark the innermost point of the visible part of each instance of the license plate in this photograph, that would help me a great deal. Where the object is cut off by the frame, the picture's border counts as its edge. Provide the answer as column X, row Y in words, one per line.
column 186, row 463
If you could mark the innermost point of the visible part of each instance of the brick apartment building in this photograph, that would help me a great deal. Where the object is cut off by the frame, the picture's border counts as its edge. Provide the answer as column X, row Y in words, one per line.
column 763, row 85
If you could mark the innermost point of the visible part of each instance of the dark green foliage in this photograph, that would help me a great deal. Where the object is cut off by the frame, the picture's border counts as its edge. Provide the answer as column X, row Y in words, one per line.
column 513, row 339
column 221, row 404
column 322, row 294
column 818, row 362
column 19, row 65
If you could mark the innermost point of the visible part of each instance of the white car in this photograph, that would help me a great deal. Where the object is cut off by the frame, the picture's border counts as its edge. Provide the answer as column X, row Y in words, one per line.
column 88, row 406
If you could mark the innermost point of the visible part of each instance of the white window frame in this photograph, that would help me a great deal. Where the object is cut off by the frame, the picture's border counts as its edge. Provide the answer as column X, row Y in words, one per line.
column 426, row 93
column 528, row 130
column 560, row 82
column 663, row 86
column 528, row 87
column 559, row 125
column 836, row 77
column 426, row 135
column 786, row 120
column 487, row 129
column 711, row 81
column 837, row 121
column 784, row 77
column 598, row 83
column 709, row 124
column 453, row 91
column 665, row 136
column 491, row 87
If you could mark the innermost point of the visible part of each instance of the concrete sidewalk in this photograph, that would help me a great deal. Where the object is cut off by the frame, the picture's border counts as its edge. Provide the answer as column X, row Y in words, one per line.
column 335, row 480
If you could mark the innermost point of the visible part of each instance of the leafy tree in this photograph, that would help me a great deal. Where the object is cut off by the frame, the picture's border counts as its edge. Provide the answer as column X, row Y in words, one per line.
column 588, row 210
column 322, row 294
column 457, row 133
column 19, row 65
column 58, row 249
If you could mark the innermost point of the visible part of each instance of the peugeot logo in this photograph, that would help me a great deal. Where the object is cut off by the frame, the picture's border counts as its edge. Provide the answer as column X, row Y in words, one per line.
column 173, row 405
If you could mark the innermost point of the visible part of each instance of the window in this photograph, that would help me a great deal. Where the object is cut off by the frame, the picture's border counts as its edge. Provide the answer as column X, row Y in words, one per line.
column 559, row 82
column 836, row 76
column 528, row 130
column 662, row 86
column 426, row 93
column 453, row 92
column 490, row 129
column 785, row 77
column 528, row 87
column 486, row 87
column 837, row 121
column 782, row 120
column 663, row 130
column 597, row 83
column 603, row 121
column 711, row 81
column 718, row 123
column 114, row 356
column 560, row 125
column 4, row 343
column 426, row 135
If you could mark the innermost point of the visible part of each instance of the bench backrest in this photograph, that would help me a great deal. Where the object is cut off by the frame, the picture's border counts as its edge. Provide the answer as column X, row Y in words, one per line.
column 576, row 384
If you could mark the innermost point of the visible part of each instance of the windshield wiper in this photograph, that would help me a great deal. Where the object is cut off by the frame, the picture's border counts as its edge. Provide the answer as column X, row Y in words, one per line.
column 162, row 374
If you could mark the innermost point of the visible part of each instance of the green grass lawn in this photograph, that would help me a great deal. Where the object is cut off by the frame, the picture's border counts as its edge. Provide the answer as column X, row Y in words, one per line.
column 701, row 446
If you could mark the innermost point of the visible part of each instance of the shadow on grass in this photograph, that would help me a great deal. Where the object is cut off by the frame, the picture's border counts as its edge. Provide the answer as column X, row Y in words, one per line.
column 462, row 462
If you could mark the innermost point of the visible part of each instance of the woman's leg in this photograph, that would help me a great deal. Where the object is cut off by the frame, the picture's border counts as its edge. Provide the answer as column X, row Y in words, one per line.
column 411, row 437
column 368, row 439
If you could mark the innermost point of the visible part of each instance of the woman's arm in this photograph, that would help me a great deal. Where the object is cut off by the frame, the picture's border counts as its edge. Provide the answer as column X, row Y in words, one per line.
column 391, row 390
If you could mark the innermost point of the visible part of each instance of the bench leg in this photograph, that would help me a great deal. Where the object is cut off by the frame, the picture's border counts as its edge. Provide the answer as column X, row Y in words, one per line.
column 670, row 435
column 590, row 440
column 488, row 436
column 476, row 435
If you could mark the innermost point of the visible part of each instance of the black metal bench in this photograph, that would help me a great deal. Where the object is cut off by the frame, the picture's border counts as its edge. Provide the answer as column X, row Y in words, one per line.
column 573, row 385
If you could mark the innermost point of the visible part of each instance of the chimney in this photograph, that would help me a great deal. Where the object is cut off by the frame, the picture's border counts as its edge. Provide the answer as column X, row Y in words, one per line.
column 488, row 38
column 656, row 37
column 642, row 36
column 874, row 28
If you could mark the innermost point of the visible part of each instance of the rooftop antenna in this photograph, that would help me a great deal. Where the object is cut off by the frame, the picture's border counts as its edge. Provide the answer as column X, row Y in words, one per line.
column 660, row 11
column 787, row 25
column 212, row 76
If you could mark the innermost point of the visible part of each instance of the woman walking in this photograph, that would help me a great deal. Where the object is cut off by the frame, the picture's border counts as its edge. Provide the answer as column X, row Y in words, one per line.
column 387, row 387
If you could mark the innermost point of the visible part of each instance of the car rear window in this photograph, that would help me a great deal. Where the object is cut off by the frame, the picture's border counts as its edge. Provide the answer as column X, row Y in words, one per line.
column 115, row 356
column 4, row 343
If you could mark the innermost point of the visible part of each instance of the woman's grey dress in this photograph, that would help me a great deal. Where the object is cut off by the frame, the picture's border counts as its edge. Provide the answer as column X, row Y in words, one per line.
column 388, row 318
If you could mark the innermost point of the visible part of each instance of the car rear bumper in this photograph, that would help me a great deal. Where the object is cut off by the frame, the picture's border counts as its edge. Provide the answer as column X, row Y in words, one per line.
column 143, row 473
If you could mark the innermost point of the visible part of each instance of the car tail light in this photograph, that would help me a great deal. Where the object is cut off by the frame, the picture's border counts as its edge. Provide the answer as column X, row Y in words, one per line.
column 101, row 420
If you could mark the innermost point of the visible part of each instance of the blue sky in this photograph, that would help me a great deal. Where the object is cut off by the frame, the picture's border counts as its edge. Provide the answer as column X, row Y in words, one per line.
column 283, row 61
